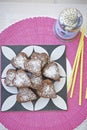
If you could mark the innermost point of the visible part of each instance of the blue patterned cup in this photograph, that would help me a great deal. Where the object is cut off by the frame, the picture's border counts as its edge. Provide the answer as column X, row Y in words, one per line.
column 68, row 24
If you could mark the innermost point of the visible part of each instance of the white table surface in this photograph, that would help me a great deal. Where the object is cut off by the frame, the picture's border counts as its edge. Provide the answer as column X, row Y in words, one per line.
column 11, row 12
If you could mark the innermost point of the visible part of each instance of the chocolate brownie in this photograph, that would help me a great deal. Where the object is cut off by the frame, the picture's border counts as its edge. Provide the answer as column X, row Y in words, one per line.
column 47, row 90
column 19, row 60
column 51, row 70
column 25, row 95
column 10, row 75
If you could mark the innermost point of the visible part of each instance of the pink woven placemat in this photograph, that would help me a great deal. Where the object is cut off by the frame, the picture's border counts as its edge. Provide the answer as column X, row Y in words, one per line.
column 40, row 31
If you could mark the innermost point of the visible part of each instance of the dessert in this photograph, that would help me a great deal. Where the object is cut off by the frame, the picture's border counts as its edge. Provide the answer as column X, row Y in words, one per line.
column 51, row 70
column 19, row 60
column 25, row 95
column 21, row 79
column 36, row 82
column 42, row 56
column 10, row 75
column 33, row 66
column 35, row 73
column 47, row 90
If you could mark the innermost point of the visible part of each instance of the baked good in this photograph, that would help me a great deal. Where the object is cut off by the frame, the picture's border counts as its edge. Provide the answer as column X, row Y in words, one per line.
column 10, row 75
column 19, row 60
column 21, row 79
column 29, row 75
column 25, row 95
column 36, row 81
column 33, row 66
column 47, row 90
column 42, row 56
column 51, row 70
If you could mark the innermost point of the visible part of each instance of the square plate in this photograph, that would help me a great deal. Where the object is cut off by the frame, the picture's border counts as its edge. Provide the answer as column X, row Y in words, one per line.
column 56, row 53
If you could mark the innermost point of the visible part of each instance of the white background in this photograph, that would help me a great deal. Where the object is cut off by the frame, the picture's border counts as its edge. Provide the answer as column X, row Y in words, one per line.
column 48, row 1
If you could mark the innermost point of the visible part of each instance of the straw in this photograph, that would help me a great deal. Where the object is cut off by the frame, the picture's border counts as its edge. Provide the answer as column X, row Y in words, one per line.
column 80, row 53
column 86, row 93
column 73, row 69
column 81, row 75
column 75, row 72
column 75, row 66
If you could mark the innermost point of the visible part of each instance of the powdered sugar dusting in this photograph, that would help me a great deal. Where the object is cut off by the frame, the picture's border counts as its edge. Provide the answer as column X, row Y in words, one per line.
column 51, row 71
column 36, row 81
column 19, row 61
column 34, row 66
column 43, row 57
column 48, row 90
column 9, row 77
column 26, row 94
column 22, row 79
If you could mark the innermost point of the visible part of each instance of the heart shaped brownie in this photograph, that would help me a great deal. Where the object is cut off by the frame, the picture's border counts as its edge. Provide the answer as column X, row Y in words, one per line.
column 51, row 71
column 33, row 66
column 19, row 60
column 25, row 95
column 21, row 79
column 10, row 75
column 47, row 90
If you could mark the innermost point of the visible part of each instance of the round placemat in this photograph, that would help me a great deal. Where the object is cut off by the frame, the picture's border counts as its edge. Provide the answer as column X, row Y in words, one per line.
column 40, row 31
